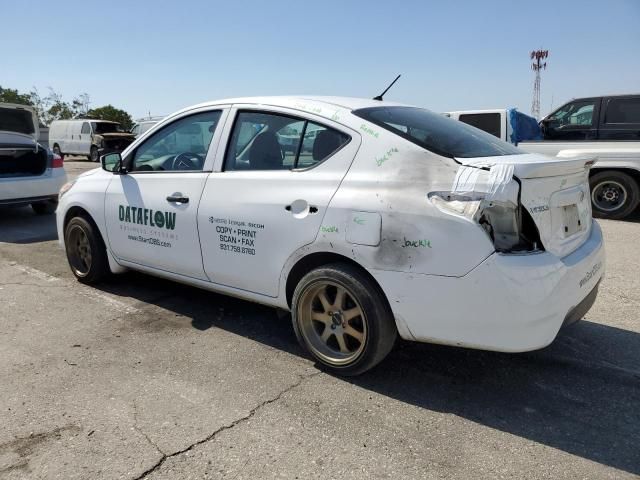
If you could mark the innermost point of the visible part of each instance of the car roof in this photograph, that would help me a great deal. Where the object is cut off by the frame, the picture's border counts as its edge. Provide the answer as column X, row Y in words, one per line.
column 350, row 103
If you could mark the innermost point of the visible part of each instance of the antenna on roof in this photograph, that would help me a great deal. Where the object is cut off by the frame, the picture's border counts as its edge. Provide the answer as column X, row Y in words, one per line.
column 379, row 97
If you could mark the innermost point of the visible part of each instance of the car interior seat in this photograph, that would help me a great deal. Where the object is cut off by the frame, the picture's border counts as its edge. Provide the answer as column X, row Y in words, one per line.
column 266, row 153
column 326, row 142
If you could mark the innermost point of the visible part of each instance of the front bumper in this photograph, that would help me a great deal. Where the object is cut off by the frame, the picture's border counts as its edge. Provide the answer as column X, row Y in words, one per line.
column 509, row 303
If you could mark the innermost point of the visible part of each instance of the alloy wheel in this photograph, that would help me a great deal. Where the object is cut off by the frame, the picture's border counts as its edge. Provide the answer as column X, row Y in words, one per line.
column 79, row 250
column 332, row 323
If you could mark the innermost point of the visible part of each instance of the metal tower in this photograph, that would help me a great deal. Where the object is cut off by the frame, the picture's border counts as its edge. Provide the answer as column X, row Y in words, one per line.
column 537, row 56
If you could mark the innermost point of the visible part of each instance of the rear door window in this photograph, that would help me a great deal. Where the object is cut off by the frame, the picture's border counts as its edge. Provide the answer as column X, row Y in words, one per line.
column 271, row 141
column 623, row 110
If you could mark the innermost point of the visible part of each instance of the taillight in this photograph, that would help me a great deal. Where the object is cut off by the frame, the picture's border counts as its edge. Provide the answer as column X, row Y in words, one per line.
column 57, row 161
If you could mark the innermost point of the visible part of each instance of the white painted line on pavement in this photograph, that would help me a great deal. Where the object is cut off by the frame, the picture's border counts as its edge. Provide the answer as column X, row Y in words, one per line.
column 35, row 272
column 78, row 288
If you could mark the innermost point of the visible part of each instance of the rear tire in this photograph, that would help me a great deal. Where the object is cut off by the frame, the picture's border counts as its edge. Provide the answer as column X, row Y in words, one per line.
column 93, row 156
column 45, row 208
column 341, row 317
column 86, row 252
column 614, row 194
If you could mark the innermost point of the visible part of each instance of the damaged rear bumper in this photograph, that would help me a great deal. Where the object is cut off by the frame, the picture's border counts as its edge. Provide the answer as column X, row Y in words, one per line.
column 509, row 303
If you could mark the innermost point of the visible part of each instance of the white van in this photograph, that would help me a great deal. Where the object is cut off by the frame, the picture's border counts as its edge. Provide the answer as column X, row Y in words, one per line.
column 87, row 137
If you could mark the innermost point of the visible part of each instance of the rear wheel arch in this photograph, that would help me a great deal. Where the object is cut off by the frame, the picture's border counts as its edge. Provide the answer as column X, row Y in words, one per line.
column 318, row 259
column 635, row 174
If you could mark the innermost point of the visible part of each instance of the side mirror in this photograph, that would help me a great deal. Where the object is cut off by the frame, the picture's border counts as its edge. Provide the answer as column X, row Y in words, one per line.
column 112, row 162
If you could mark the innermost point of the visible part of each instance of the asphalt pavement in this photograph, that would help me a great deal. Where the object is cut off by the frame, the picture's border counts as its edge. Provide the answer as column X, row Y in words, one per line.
column 144, row 378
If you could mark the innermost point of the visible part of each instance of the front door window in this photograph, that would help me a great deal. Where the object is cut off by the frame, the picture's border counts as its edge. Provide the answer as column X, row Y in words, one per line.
column 180, row 146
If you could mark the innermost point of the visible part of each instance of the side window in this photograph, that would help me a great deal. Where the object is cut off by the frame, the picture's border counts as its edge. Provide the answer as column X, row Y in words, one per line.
column 136, row 130
column 623, row 110
column 268, row 141
column 489, row 122
column 318, row 144
column 179, row 146
column 85, row 128
column 578, row 113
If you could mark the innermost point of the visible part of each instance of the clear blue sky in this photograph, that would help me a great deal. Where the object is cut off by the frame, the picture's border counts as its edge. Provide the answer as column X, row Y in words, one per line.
column 161, row 56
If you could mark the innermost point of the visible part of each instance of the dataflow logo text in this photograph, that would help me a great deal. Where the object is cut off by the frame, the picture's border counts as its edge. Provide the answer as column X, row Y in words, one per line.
column 147, row 216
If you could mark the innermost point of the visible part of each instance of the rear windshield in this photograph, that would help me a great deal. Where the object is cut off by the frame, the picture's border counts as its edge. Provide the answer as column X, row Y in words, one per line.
column 13, row 120
column 437, row 133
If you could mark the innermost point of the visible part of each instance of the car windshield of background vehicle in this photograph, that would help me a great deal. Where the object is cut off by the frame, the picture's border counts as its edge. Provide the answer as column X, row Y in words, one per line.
column 268, row 141
column 104, row 127
column 14, row 120
column 437, row 133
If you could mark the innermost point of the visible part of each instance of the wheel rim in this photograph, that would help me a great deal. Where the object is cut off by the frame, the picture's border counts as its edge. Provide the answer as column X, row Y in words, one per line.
column 609, row 195
column 332, row 323
column 79, row 251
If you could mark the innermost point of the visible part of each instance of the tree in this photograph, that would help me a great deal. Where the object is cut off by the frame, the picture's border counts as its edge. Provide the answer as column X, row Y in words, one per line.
column 10, row 95
column 49, row 108
column 109, row 112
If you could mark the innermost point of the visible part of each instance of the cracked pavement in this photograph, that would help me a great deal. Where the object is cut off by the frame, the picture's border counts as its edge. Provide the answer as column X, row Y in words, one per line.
column 143, row 378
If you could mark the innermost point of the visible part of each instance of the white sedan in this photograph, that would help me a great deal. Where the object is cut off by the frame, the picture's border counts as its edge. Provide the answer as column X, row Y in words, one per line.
column 30, row 174
column 397, row 221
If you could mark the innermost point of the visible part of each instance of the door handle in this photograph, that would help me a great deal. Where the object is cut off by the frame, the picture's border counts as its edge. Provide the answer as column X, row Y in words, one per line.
column 312, row 208
column 177, row 198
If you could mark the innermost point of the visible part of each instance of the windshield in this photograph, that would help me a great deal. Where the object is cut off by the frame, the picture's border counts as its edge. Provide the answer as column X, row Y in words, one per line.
column 16, row 120
column 437, row 133
column 104, row 127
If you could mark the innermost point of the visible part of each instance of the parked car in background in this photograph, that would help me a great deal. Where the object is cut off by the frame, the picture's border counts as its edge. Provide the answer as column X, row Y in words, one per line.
column 30, row 174
column 90, row 138
column 397, row 221
column 604, row 128
column 143, row 125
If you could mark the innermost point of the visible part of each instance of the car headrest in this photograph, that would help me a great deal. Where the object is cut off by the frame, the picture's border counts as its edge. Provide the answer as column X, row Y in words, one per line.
column 265, row 153
column 325, row 144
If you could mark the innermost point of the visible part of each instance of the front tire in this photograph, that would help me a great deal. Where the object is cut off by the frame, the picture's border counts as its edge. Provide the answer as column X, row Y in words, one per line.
column 341, row 317
column 614, row 195
column 45, row 208
column 86, row 252
column 93, row 155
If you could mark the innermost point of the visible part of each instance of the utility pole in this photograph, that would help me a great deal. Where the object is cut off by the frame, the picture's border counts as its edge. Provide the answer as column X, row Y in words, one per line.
column 537, row 65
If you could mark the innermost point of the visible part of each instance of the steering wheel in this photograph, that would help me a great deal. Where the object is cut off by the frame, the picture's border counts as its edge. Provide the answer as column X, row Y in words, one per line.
column 186, row 161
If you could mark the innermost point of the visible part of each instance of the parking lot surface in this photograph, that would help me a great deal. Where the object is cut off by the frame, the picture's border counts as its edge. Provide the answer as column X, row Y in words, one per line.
column 144, row 378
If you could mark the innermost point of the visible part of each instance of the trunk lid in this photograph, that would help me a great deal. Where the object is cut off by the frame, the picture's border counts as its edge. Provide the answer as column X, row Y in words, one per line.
column 19, row 119
column 554, row 191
